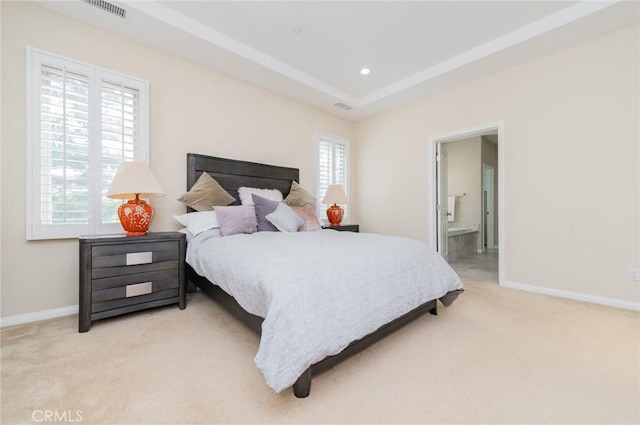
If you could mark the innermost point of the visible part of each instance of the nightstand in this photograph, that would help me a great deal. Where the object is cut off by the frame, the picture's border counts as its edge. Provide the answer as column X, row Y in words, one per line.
column 345, row 228
column 121, row 274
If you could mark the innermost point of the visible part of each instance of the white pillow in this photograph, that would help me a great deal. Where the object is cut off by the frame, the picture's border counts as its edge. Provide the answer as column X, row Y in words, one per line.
column 245, row 194
column 285, row 219
column 198, row 222
column 186, row 232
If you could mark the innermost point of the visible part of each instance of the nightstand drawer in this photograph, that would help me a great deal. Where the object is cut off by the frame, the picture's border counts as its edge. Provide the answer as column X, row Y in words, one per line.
column 134, row 254
column 133, row 290
column 118, row 307
column 118, row 292
column 97, row 307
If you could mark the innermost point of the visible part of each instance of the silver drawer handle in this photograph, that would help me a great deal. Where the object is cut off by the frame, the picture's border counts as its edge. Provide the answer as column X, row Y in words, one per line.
column 134, row 258
column 139, row 289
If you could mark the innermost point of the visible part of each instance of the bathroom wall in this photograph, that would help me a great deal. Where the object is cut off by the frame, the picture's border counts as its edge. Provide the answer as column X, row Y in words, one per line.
column 465, row 172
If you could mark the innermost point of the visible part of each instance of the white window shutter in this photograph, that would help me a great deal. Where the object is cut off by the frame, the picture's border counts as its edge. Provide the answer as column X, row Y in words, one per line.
column 83, row 122
column 64, row 147
column 332, row 167
column 120, row 133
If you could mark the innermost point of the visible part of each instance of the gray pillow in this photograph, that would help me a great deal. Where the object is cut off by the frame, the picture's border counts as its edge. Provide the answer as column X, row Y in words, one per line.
column 236, row 219
column 263, row 207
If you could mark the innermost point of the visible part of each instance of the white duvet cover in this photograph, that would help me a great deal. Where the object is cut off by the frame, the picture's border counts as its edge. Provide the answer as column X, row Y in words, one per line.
column 319, row 291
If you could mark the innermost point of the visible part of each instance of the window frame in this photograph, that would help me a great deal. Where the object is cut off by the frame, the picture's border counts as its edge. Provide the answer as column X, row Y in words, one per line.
column 36, row 58
column 334, row 140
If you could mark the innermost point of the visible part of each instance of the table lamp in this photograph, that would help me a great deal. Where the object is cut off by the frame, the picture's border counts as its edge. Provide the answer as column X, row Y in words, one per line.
column 135, row 180
column 335, row 195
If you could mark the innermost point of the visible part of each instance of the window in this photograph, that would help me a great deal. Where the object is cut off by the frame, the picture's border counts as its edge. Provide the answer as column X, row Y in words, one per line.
column 83, row 121
column 332, row 167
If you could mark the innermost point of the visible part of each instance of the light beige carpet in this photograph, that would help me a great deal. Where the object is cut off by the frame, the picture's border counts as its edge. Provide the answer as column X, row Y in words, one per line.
column 496, row 355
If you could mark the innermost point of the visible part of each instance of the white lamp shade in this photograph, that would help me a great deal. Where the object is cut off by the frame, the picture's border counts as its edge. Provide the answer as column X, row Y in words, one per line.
column 134, row 178
column 335, row 195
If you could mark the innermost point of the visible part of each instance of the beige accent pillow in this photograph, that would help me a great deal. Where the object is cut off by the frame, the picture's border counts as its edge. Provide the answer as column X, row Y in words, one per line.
column 298, row 197
column 205, row 194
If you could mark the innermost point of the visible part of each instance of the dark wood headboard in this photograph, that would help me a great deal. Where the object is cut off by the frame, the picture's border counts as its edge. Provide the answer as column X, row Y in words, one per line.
column 232, row 174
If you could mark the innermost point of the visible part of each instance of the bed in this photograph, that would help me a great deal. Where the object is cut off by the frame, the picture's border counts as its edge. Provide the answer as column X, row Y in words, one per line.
column 291, row 311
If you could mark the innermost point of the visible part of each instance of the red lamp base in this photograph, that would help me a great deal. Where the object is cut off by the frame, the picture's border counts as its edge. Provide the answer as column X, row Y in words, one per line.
column 334, row 214
column 135, row 217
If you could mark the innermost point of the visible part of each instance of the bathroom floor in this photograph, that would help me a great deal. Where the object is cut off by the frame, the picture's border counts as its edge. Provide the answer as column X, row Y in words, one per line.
column 482, row 266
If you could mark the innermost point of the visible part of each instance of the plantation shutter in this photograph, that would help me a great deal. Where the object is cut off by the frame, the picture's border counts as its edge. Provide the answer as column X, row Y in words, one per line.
column 84, row 121
column 333, row 167
column 64, row 147
column 120, row 131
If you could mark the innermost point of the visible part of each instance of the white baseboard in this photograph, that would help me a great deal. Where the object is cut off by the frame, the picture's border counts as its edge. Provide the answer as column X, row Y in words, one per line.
column 38, row 315
column 595, row 299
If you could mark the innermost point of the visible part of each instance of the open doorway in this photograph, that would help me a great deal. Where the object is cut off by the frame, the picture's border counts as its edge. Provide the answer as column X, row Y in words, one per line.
column 466, row 205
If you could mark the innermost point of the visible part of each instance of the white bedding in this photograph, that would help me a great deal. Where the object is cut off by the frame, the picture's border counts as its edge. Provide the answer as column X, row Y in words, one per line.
column 319, row 291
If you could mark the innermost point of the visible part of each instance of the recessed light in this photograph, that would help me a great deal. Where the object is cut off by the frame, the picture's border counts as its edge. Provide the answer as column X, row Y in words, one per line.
column 365, row 71
column 297, row 30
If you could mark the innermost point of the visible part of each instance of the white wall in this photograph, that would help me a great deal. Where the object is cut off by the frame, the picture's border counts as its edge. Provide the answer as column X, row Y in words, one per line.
column 571, row 148
column 192, row 109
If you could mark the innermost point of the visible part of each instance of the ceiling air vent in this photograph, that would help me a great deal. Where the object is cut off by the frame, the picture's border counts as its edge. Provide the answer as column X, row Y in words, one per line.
column 343, row 106
column 108, row 7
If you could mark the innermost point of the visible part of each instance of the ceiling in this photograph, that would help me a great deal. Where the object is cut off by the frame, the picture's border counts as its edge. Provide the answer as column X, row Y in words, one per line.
column 313, row 51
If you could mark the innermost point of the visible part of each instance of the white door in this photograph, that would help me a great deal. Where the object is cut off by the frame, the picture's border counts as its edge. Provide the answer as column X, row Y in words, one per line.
column 489, row 217
column 442, row 201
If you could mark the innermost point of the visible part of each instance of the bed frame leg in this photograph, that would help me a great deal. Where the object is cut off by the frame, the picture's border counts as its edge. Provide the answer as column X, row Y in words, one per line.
column 434, row 310
column 302, row 387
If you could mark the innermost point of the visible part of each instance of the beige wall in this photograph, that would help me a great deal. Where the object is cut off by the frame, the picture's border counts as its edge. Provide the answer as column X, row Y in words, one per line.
column 1, row 202
column 571, row 149
column 192, row 109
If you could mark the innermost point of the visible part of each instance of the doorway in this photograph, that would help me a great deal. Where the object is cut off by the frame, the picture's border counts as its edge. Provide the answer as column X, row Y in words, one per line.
column 466, row 211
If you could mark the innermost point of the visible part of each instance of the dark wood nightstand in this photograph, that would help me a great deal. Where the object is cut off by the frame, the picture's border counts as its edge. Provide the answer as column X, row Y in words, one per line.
column 345, row 228
column 120, row 274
